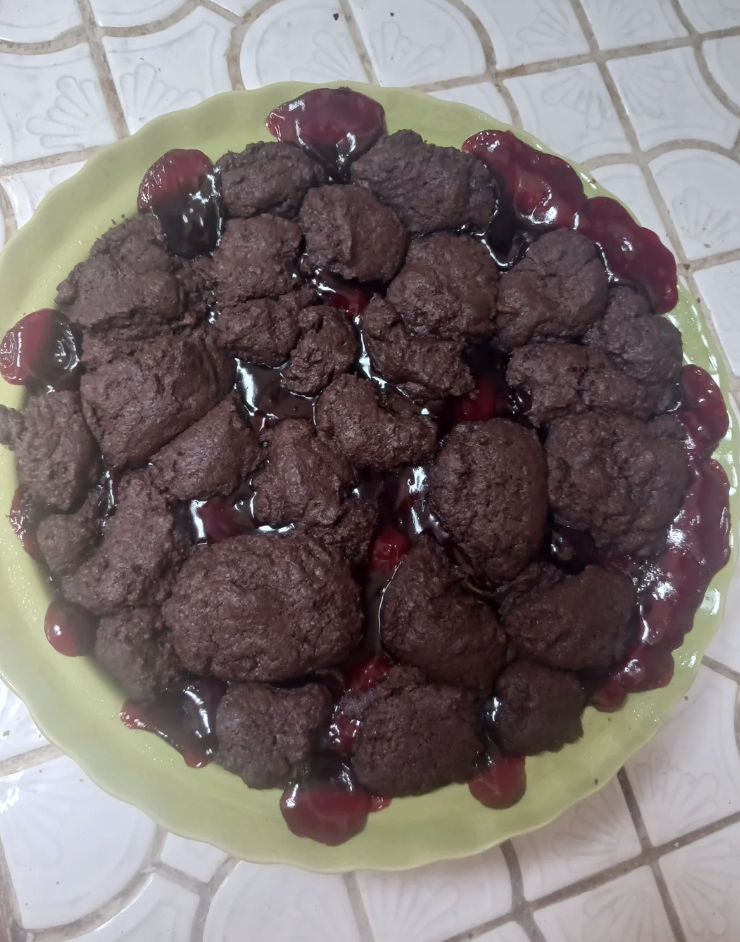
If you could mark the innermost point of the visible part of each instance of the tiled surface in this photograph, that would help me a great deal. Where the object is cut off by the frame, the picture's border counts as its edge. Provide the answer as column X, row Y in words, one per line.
column 647, row 93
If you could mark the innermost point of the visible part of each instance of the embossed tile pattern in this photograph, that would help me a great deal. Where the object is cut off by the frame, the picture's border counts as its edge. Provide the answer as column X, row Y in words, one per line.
column 70, row 847
column 530, row 30
column 75, row 853
column 703, row 880
column 667, row 99
column 435, row 902
column 50, row 104
column 571, row 110
column 423, row 41
column 300, row 41
column 23, row 21
column 632, row 22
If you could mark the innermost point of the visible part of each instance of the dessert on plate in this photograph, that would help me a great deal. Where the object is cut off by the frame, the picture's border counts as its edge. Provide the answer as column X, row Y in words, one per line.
column 364, row 465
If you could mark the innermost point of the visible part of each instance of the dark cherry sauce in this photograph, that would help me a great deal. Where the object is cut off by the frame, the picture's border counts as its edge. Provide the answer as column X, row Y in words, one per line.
column 184, row 718
column 69, row 629
column 182, row 189
column 335, row 125
column 329, row 812
column 501, row 784
column 544, row 192
column 40, row 352
column 350, row 297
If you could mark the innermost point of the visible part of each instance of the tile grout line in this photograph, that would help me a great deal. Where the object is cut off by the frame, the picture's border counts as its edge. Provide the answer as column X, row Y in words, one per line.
column 358, row 40
column 357, row 905
column 105, row 76
column 207, row 893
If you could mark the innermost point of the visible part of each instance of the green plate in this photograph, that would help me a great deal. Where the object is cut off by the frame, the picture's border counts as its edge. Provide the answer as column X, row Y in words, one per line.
column 76, row 706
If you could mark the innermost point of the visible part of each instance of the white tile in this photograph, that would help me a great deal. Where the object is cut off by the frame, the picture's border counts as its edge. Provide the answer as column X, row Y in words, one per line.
column 595, row 834
column 160, row 911
column 482, row 95
column 707, row 15
column 530, row 30
column 702, row 192
column 280, row 904
column 239, row 7
column 24, row 22
column 70, row 847
column 628, row 909
column 720, row 288
column 132, row 12
column 50, row 104
column 418, row 40
column 18, row 732
column 26, row 190
column 632, row 22
column 2, row 231
column 300, row 41
column 723, row 60
column 689, row 774
column 438, row 901
column 197, row 860
column 571, row 111
column 667, row 99
column 172, row 69
column 704, row 882
column 627, row 182
column 511, row 932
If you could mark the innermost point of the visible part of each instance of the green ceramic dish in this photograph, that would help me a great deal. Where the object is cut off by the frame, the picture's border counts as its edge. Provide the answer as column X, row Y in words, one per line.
column 76, row 706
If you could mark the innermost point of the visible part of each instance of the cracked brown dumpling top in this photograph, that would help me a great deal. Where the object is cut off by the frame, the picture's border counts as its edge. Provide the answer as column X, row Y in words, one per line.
column 55, row 454
column 212, row 456
column 138, row 403
column 260, row 607
column 447, row 288
column 569, row 379
column 66, row 539
column 423, row 367
column 265, row 734
column 641, row 345
column 267, row 178
column 621, row 479
column 428, row 187
column 138, row 556
column 430, row 621
column 582, row 623
column 556, row 292
column 307, row 482
column 368, row 434
column 349, row 233
column 129, row 289
column 328, row 346
column 263, row 330
column 489, row 489
column 538, row 709
column 256, row 258
column 135, row 648
column 415, row 736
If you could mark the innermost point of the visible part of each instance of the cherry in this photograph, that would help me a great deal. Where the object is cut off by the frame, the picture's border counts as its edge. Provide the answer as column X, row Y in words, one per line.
column 609, row 697
column 645, row 668
column 703, row 412
column 502, row 784
column 221, row 517
column 342, row 295
column 69, row 629
column 328, row 812
column 388, row 550
column 39, row 350
column 22, row 519
column 486, row 402
column 632, row 252
column 378, row 804
column 335, row 125
column 544, row 190
column 365, row 675
column 173, row 177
